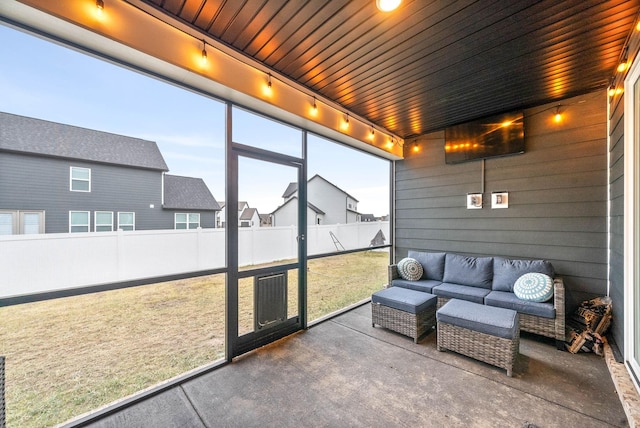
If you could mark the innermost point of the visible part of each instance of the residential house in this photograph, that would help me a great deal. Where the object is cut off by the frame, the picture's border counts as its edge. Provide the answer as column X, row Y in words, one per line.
column 187, row 198
column 327, row 204
column 247, row 216
column 57, row 178
column 265, row 220
column 250, row 218
column 366, row 218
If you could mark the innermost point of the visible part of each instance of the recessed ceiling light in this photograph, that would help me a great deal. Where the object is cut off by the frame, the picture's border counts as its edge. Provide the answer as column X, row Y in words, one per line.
column 387, row 5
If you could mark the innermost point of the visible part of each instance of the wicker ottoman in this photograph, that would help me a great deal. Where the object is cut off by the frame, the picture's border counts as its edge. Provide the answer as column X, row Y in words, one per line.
column 486, row 333
column 405, row 311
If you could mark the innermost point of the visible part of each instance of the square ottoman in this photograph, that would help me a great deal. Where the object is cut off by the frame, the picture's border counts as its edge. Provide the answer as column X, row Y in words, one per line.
column 486, row 333
column 405, row 311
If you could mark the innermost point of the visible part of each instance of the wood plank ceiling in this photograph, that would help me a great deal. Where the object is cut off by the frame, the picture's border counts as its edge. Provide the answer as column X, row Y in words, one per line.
column 430, row 63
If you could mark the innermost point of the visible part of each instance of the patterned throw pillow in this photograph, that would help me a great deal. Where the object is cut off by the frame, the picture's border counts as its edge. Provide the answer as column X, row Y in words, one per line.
column 534, row 287
column 410, row 269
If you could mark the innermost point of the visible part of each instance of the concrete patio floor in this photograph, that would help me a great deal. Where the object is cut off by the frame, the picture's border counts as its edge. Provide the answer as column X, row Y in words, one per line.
column 345, row 373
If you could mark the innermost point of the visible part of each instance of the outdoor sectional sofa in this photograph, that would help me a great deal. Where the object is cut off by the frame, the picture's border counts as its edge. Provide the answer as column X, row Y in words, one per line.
column 489, row 281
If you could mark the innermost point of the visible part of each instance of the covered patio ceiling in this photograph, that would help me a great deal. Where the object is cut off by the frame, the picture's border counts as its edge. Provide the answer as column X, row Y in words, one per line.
column 429, row 64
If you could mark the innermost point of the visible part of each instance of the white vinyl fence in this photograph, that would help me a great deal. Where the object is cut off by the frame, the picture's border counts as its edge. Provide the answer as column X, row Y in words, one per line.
column 48, row 262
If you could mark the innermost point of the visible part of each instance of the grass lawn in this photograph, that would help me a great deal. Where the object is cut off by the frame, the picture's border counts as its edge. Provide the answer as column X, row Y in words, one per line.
column 67, row 356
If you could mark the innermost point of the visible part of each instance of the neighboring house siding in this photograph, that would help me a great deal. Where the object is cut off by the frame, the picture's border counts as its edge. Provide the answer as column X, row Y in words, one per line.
column 330, row 200
column 557, row 198
column 287, row 215
column 331, row 205
column 44, row 185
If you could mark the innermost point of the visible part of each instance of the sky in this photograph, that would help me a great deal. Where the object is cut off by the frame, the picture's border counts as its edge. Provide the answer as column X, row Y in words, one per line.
column 47, row 81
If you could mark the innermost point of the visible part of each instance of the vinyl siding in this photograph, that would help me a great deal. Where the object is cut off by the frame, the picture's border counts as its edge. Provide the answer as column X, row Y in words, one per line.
column 331, row 200
column 616, row 220
column 617, row 200
column 40, row 183
column 557, row 198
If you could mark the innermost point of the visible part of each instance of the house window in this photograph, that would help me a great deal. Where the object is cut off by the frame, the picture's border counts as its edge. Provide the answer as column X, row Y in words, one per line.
column 31, row 222
column 80, row 179
column 78, row 221
column 187, row 220
column 21, row 222
column 103, row 221
column 127, row 221
column 7, row 223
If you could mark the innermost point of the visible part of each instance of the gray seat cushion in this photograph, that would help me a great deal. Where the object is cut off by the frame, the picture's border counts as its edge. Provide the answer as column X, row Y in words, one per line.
column 504, row 299
column 403, row 299
column 473, row 271
column 464, row 292
column 484, row 319
column 424, row 285
column 507, row 271
column 432, row 264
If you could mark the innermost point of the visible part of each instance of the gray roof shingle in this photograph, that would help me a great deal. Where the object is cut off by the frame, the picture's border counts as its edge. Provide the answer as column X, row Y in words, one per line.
column 248, row 213
column 309, row 205
column 293, row 187
column 188, row 193
column 22, row 134
column 290, row 190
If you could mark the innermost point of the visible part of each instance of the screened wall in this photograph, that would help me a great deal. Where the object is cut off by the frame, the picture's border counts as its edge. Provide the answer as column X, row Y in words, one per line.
column 114, row 228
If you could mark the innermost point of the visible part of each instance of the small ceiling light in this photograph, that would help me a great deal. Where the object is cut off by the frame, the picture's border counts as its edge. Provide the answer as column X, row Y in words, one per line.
column 345, row 123
column 622, row 66
column 612, row 90
column 372, row 133
column 267, row 88
column 204, row 52
column 557, row 117
column 624, row 63
column 387, row 5
column 638, row 26
column 416, row 147
column 100, row 6
column 314, row 107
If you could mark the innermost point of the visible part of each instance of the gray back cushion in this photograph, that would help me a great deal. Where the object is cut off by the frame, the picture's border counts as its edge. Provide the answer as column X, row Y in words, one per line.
column 432, row 264
column 507, row 271
column 473, row 271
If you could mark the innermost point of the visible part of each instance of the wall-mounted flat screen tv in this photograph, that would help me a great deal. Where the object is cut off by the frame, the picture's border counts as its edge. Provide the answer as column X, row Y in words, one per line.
column 499, row 135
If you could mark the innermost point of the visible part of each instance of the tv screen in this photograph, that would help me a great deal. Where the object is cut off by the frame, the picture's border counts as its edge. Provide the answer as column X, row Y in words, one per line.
column 499, row 135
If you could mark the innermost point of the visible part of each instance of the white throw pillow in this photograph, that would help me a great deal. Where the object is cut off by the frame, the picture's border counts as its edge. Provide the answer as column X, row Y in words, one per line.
column 534, row 287
column 410, row 269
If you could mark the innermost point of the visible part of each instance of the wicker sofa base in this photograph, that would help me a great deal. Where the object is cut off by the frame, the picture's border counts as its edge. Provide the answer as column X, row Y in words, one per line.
column 538, row 325
column 493, row 350
column 548, row 327
column 412, row 325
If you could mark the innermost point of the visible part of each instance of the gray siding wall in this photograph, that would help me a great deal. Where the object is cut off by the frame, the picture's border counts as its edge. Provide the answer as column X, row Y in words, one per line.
column 617, row 199
column 616, row 183
column 39, row 183
column 557, row 198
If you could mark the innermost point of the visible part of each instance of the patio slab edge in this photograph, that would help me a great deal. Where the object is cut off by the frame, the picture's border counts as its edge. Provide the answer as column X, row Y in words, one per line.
column 627, row 392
